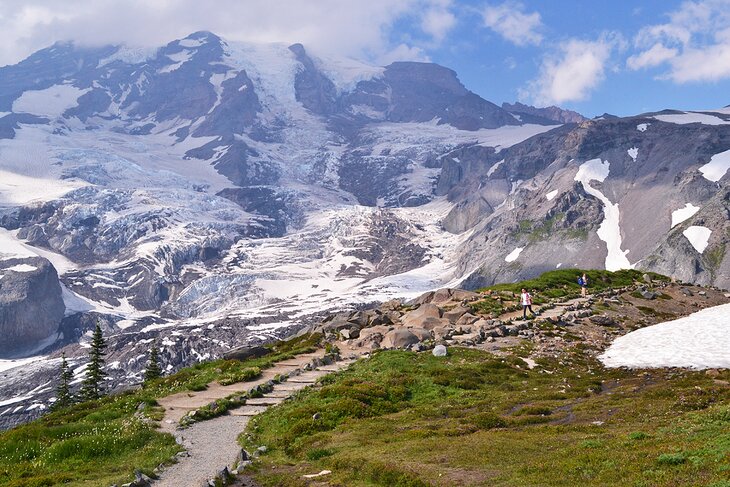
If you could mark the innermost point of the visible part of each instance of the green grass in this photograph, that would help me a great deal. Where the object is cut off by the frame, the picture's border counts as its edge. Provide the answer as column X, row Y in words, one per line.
column 102, row 442
column 471, row 418
column 564, row 282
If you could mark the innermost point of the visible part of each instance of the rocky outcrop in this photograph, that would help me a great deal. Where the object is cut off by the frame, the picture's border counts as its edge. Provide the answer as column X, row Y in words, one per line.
column 31, row 307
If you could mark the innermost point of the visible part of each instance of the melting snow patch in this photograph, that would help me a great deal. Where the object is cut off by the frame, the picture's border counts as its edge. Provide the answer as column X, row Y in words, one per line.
column 551, row 195
column 633, row 152
column 691, row 117
column 642, row 127
column 22, row 268
column 678, row 216
column 610, row 230
column 51, row 102
column 559, row 265
column 698, row 341
column 698, row 237
column 494, row 168
column 514, row 254
column 717, row 167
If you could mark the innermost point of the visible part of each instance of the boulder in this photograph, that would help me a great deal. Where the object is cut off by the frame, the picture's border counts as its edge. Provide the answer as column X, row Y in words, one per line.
column 456, row 313
column 31, row 306
column 647, row 294
column 399, row 338
column 421, row 333
column 466, row 319
column 603, row 320
column 441, row 296
column 443, row 332
column 439, row 351
column 418, row 315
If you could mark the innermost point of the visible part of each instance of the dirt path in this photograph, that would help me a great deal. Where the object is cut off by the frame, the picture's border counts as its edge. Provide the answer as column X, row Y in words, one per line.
column 555, row 312
column 211, row 445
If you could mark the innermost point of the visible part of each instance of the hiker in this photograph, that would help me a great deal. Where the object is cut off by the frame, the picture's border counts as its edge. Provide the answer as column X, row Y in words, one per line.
column 583, row 283
column 526, row 304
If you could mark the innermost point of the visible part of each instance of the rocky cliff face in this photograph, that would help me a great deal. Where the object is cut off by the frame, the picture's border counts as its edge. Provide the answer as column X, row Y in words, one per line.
column 31, row 307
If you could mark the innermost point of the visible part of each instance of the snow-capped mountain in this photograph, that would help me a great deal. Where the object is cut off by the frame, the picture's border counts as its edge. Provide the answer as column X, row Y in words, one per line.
column 209, row 193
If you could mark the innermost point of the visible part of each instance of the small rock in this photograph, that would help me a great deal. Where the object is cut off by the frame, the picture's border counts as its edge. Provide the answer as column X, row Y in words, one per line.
column 686, row 291
column 439, row 351
column 316, row 416
column 315, row 475
column 647, row 295
column 712, row 372
column 646, row 278
column 262, row 449
column 702, row 293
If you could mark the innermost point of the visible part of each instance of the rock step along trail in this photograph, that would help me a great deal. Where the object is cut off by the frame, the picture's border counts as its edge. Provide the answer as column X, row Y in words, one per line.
column 212, row 445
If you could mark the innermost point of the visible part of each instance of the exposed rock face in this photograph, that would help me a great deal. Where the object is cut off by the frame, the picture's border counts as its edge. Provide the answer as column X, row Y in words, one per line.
column 552, row 113
column 31, row 307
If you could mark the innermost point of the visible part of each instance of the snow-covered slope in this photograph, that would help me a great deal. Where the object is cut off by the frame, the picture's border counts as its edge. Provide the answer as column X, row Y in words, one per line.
column 698, row 341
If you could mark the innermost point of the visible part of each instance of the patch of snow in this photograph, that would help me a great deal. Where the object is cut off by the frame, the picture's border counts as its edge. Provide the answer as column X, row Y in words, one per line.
column 189, row 43
column 22, row 268
column 691, row 117
column 512, row 256
column 515, row 185
column 633, row 152
column 698, row 236
column 683, row 214
column 18, row 189
column 509, row 135
column 698, row 341
column 610, row 230
column 346, row 73
column 50, row 102
column 559, row 265
column 494, row 168
column 178, row 59
column 642, row 127
column 551, row 195
column 130, row 55
column 11, row 364
column 717, row 167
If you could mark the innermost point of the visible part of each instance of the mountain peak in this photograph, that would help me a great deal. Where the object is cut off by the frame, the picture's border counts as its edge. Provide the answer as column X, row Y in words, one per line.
column 552, row 113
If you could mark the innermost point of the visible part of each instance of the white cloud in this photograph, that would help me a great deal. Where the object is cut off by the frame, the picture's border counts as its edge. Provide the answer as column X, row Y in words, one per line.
column 511, row 22
column 438, row 20
column 572, row 73
column 694, row 45
column 348, row 27
column 655, row 56
column 403, row 52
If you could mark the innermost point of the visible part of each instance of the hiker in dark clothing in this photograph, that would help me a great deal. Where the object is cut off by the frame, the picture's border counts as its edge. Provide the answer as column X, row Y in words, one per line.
column 526, row 301
column 583, row 283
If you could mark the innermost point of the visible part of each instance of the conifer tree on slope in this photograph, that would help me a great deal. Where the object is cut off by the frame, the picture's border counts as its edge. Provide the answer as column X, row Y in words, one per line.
column 153, row 370
column 64, row 398
column 92, row 387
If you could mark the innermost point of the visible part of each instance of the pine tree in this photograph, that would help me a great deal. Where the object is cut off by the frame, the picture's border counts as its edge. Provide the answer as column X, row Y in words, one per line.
column 64, row 398
column 92, row 387
column 153, row 370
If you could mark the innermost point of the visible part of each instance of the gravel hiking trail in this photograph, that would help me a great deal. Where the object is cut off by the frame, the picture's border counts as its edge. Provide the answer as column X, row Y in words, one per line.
column 212, row 445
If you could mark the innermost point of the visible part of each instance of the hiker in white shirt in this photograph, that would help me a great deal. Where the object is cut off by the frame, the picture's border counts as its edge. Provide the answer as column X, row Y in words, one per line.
column 526, row 304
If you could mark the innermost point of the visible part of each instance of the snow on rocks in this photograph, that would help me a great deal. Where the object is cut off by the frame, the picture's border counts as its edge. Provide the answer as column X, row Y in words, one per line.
column 698, row 341
column 551, row 195
column 717, row 167
column 683, row 214
column 609, row 231
column 642, row 127
column 512, row 256
column 698, row 236
column 691, row 117
column 51, row 102
column 633, row 152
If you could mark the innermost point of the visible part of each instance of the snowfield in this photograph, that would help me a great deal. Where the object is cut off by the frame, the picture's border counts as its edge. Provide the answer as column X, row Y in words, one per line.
column 609, row 231
column 698, row 341
column 698, row 236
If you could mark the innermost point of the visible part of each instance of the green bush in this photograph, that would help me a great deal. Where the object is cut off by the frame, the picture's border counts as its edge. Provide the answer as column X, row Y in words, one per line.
column 671, row 459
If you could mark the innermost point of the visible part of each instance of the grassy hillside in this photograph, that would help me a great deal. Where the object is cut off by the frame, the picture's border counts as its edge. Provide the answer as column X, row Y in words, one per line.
column 98, row 443
column 408, row 419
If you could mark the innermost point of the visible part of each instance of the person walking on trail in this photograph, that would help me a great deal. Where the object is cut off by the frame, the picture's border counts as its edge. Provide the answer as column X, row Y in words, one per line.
column 583, row 283
column 526, row 300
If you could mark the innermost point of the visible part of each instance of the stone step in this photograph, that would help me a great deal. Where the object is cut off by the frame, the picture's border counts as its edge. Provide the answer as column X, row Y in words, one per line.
column 302, row 380
column 264, row 401
column 281, row 393
column 248, row 410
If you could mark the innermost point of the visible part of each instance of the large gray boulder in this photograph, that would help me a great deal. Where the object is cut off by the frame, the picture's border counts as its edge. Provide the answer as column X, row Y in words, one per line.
column 31, row 306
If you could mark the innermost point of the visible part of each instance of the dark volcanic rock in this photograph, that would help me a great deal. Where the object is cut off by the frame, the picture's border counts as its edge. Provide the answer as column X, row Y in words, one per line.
column 31, row 306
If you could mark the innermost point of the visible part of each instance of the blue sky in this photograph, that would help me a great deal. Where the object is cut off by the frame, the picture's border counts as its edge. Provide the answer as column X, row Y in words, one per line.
column 594, row 56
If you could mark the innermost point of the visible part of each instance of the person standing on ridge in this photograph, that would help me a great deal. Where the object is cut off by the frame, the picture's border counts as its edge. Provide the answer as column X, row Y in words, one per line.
column 583, row 283
column 526, row 300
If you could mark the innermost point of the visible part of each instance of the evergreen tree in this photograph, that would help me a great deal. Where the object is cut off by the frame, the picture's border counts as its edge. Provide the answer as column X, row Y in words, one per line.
column 92, row 387
column 153, row 370
column 64, row 398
